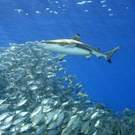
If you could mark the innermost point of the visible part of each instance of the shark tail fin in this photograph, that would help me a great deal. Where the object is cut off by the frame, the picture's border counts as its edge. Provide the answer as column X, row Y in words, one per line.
column 110, row 53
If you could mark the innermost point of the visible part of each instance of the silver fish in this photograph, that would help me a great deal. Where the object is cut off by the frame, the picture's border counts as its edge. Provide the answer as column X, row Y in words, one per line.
column 39, row 97
column 22, row 102
column 25, row 128
column 4, row 115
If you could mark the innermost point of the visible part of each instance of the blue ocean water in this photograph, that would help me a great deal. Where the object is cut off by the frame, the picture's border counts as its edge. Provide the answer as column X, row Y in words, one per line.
column 101, row 23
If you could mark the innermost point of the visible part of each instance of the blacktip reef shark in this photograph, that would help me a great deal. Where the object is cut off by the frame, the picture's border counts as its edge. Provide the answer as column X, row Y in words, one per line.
column 74, row 46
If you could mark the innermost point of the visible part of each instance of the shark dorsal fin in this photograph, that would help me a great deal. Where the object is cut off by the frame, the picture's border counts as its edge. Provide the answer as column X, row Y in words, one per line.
column 76, row 37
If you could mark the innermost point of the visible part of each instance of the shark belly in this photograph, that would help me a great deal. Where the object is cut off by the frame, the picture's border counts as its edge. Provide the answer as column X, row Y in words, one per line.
column 67, row 49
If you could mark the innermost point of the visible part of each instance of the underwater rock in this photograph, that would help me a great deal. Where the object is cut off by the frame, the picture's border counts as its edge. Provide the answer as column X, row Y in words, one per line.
column 38, row 97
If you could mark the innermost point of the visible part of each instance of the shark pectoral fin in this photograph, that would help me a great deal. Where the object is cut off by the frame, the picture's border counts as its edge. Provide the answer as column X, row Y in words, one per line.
column 62, row 56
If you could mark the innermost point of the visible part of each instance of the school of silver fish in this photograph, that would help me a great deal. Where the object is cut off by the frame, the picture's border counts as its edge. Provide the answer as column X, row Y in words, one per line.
column 38, row 97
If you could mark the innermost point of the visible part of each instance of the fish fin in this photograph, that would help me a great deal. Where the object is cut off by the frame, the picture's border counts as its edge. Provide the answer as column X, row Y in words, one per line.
column 62, row 56
column 110, row 53
column 76, row 37
column 88, row 56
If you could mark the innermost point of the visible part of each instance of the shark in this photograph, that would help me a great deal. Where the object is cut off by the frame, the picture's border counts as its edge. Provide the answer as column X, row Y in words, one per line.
column 74, row 46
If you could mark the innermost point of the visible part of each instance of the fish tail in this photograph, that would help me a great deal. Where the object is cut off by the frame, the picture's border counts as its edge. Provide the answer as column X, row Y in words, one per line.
column 110, row 53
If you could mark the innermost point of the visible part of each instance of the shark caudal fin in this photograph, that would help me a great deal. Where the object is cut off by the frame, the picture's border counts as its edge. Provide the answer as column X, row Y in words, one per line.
column 110, row 53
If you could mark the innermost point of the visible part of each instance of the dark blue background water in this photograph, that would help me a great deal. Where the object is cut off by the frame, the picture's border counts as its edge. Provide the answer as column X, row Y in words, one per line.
column 103, row 24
